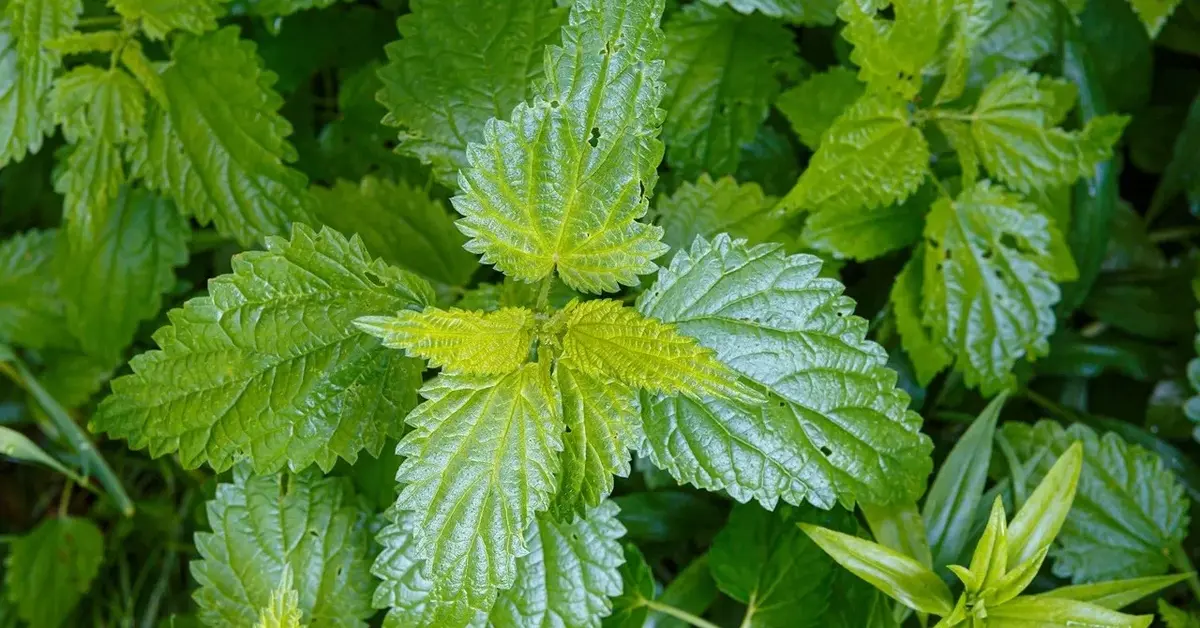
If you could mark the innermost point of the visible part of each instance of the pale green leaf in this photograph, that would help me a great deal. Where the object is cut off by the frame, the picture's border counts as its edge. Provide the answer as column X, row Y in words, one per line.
column 1041, row 612
column 927, row 354
column 218, row 149
column 630, row 608
column 414, row 597
column 570, row 573
column 1177, row 618
column 27, row 70
column 606, row 339
column 900, row 577
column 872, row 156
column 970, row 21
column 989, row 282
column 1040, row 518
column 722, row 73
column 481, row 460
column 602, row 425
column 864, row 233
column 899, row 526
column 270, row 367
column 989, row 561
column 835, row 428
column 806, row 12
column 1013, row 133
column 146, row 73
column 1117, row 594
column 1129, row 511
column 283, row 609
column 31, row 306
column 814, row 105
column 106, row 105
column 264, row 525
column 17, row 446
column 1154, row 13
column 48, row 571
column 79, row 43
column 562, row 184
column 459, row 63
column 159, row 17
column 399, row 223
column 765, row 561
column 458, row 341
column 90, row 181
column 114, row 276
column 893, row 53
column 707, row 208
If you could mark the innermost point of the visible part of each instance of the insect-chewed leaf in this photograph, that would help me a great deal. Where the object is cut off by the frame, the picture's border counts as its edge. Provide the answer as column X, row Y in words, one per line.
column 707, row 208
column 48, row 570
column 270, row 367
column 159, row 17
column 722, row 70
column 562, row 184
column 812, row 106
column 808, row 12
column 263, row 526
column 218, row 148
column 606, row 339
column 602, row 425
column 27, row 71
column 481, row 461
column 835, row 428
column 401, row 224
column 31, row 305
column 871, row 157
column 1013, row 133
column 893, row 53
column 459, row 341
column 1129, row 509
column 991, row 261
column 458, row 64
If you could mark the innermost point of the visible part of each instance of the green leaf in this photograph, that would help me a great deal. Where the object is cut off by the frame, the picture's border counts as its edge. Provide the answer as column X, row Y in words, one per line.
column 482, row 460
column 835, row 428
column 970, row 19
column 79, row 43
column 399, row 223
column 283, row 609
column 1177, row 618
column 989, row 561
column 893, row 573
column 457, row 64
column 1040, row 518
column 265, row 525
column 608, row 340
column 872, row 156
column 892, row 54
column 570, row 573
column 1043, row 612
column 707, row 208
column 806, row 12
column 602, row 425
column 722, row 73
column 1117, row 594
column 1129, row 510
column 957, row 488
column 458, row 341
column 17, row 446
column 218, row 149
column 865, row 233
column 1180, row 176
column 1013, row 134
column 1019, row 35
column 1154, row 13
column 134, row 60
column 899, row 526
column 630, row 607
column 27, row 70
column 989, row 282
column 49, row 570
column 270, row 367
column 814, row 105
column 116, row 274
column 159, row 17
column 31, row 308
column 928, row 355
column 692, row 591
column 562, row 184
column 763, row 560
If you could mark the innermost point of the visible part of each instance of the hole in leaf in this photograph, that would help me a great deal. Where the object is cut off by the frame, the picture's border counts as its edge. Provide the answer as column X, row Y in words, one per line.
column 595, row 139
column 826, row 451
column 554, row 104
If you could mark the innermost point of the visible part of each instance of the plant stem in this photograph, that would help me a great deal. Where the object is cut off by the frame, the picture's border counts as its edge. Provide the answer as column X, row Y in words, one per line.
column 1174, row 233
column 543, row 297
column 1183, row 562
column 679, row 614
column 92, row 460
column 99, row 21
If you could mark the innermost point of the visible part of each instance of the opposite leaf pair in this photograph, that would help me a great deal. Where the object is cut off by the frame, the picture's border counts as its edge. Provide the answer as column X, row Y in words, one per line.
column 1006, row 559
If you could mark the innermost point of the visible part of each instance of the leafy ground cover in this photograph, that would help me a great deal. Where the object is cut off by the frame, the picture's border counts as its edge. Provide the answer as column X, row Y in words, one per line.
column 611, row 313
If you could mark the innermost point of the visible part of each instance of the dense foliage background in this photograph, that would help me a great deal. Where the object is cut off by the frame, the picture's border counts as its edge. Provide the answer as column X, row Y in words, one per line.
column 1047, row 260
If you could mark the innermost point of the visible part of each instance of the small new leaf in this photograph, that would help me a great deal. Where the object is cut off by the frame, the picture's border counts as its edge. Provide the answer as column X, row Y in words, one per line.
column 458, row 341
column 893, row 54
column 283, row 610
